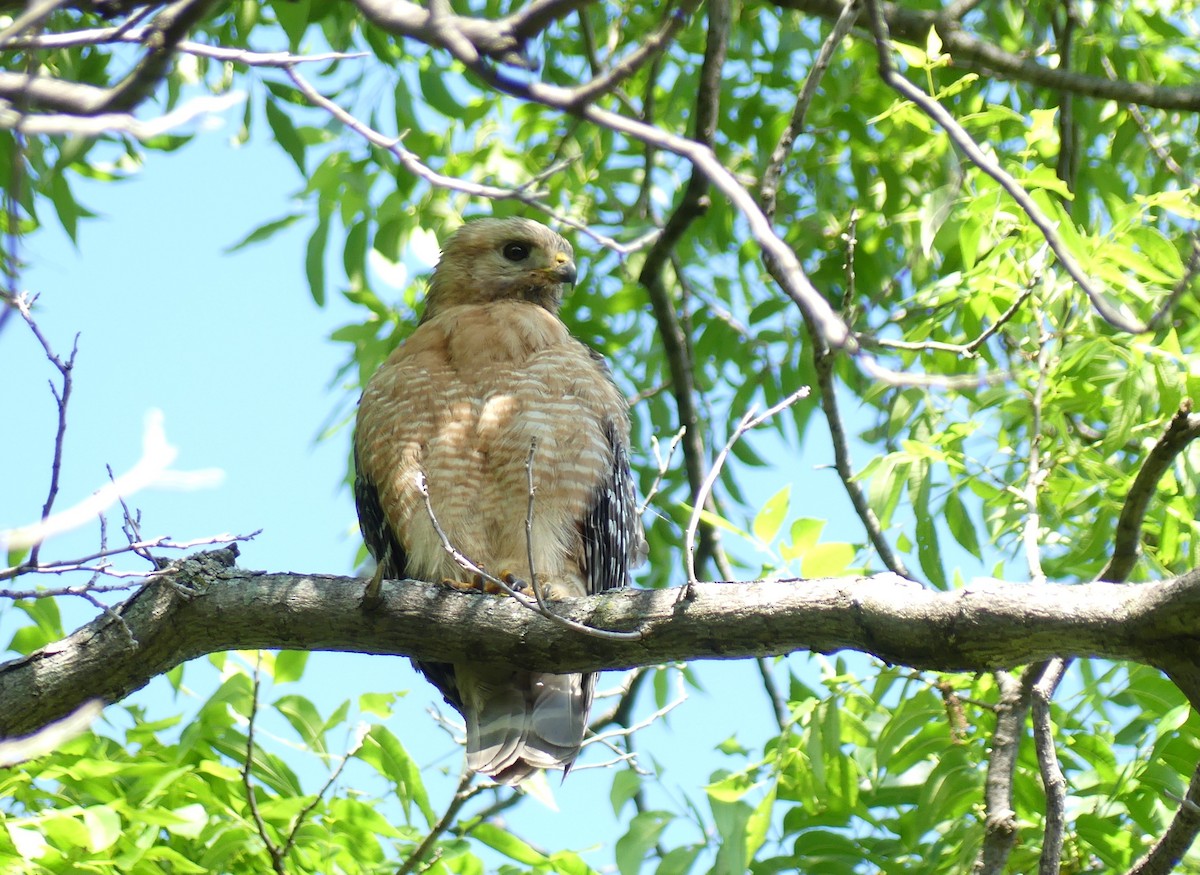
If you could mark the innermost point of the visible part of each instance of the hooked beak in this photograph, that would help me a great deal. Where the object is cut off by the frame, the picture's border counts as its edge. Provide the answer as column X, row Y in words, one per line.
column 564, row 270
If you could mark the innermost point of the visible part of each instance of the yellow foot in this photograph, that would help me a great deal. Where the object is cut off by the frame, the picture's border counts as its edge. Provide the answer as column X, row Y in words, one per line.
column 474, row 584
column 478, row 583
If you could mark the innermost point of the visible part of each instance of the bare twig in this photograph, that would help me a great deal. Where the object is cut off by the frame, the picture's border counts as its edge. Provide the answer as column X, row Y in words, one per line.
column 775, row 697
column 675, row 338
column 67, row 566
column 966, row 350
column 465, row 562
column 626, row 731
column 33, row 15
column 769, row 187
column 302, row 815
column 823, row 365
column 790, row 274
column 663, row 465
column 527, row 193
column 607, row 80
column 62, row 397
column 273, row 850
column 1035, row 470
column 462, row 794
column 748, row 421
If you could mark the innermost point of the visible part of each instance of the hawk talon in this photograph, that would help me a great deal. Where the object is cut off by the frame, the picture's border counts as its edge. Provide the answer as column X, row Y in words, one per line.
column 373, row 593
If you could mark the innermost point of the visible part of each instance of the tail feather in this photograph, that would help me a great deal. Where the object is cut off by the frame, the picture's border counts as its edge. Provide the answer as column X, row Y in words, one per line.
column 520, row 721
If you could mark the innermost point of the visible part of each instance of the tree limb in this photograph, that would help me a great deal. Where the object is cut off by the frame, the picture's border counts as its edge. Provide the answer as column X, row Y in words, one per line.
column 203, row 604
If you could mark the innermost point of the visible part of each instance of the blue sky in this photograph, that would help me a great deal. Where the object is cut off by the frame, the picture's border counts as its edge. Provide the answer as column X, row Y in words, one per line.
column 232, row 350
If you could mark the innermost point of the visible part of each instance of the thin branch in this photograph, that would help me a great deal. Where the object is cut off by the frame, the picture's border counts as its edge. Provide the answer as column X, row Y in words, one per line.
column 1183, row 428
column 62, row 397
column 779, row 708
column 1000, row 820
column 663, row 465
column 465, row 562
column 823, row 365
column 790, row 273
column 991, row 166
column 768, row 189
column 67, row 566
column 273, row 850
column 1048, row 677
column 462, row 794
column 1171, row 846
column 675, row 339
column 972, row 53
column 527, row 193
column 32, row 16
column 533, row 578
column 966, row 350
column 626, row 731
column 748, row 421
column 71, row 124
column 164, row 34
column 603, row 82
column 1035, row 471
column 303, row 814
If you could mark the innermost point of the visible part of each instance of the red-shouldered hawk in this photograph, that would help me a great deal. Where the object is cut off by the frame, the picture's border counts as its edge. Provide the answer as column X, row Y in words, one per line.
column 489, row 370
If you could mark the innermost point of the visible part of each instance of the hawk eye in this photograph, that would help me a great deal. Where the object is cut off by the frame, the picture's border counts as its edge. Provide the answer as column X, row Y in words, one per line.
column 516, row 251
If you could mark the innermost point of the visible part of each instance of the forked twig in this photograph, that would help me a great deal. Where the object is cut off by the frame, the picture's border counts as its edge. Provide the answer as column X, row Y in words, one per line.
column 748, row 421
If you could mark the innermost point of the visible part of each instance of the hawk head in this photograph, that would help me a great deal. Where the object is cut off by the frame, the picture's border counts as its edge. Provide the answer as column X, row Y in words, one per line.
column 501, row 259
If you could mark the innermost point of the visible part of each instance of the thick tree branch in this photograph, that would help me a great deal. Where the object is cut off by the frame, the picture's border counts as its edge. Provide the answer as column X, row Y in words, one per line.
column 203, row 604
column 504, row 40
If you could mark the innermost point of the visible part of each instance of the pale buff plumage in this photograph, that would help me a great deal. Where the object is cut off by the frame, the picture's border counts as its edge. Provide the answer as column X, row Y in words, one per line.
column 489, row 370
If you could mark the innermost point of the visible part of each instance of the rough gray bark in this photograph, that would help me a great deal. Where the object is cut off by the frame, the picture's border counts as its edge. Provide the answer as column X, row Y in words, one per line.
column 205, row 604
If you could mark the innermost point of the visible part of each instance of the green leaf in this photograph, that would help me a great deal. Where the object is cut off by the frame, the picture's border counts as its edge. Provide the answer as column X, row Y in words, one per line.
column 264, row 232
column 103, row 826
column 289, row 665
column 642, row 835
column 285, row 134
column 961, row 527
column 508, row 844
column 769, row 519
column 928, row 552
column 304, row 718
column 314, row 261
column 625, row 786
column 384, row 751
column 827, row 560
column 293, row 17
